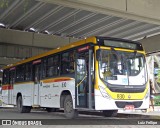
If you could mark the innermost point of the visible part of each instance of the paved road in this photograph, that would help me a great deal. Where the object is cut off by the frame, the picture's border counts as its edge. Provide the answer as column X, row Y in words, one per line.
column 11, row 113
column 89, row 119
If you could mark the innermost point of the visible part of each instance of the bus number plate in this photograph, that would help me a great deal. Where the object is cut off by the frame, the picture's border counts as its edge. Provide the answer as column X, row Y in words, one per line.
column 129, row 107
column 120, row 96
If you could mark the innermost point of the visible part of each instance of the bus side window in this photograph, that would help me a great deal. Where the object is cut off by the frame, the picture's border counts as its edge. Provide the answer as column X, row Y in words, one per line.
column 20, row 70
column 50, row 66
column 56, row 65
column 68, row 62
column 11, row 77
column 53, row 66
column 6, row 77
column 28, row 72
column 64, row 63
column 44, row 68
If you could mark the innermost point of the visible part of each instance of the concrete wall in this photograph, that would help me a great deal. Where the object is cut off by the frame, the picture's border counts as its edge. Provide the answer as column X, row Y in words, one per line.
column 151, row 44
column 18, row 51
column 33, row 39
column 17, row 45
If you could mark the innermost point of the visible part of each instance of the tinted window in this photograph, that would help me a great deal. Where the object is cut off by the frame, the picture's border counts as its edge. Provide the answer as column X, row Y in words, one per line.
column 67, row 62
column 20, row 73
column 44, row 68
column 28, row 72
column 53, row 66
column 5, row 77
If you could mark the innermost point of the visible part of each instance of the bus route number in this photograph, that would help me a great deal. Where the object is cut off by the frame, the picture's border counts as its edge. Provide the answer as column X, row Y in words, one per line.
column 63, row 84
column 120, row 96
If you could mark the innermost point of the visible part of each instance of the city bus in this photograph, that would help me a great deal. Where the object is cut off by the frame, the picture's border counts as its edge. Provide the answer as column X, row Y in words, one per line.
column 101, row 74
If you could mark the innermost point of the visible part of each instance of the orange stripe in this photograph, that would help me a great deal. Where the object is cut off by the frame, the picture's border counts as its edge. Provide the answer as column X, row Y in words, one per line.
column 7, row 87
column 57, row 80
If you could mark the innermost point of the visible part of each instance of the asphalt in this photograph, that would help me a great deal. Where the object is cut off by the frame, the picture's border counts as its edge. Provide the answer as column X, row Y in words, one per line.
column 92, row 119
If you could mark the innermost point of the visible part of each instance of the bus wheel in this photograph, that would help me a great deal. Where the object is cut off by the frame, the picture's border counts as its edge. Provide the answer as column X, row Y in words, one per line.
column 70, row 113
column 110, row 113
column 21, row 108
column 51, row 109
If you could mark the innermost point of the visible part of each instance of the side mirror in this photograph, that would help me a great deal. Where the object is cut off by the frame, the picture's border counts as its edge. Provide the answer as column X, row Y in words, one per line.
column 99, row 55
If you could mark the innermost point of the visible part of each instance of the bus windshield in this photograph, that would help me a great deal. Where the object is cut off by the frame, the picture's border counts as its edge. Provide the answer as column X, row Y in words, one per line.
column 122, row 68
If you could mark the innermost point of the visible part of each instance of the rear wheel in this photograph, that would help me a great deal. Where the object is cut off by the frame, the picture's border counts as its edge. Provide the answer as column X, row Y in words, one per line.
column 51, row 109
column 21, row 108
column 70, row 113
column 110, row 113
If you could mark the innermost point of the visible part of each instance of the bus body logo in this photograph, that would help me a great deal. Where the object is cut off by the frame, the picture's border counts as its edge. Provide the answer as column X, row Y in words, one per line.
column 129, row 96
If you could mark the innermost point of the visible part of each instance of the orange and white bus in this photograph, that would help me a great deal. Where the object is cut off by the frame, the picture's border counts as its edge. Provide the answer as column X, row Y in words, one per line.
column 98, row 73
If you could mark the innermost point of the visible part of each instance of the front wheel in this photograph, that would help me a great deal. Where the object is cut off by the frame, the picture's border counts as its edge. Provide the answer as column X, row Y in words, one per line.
column 110, row 113
column 70, row 113
column 21, row 108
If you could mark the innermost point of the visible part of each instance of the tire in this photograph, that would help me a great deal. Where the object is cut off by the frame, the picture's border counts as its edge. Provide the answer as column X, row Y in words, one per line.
column 70, row 113
column 51, row 109
column 21, row 108
column 110, row 113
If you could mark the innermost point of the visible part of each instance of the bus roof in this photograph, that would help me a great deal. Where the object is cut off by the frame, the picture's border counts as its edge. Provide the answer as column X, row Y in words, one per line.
column 68, row 46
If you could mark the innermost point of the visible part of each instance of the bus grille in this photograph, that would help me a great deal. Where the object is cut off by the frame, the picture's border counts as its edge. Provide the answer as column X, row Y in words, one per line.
column 136, row 104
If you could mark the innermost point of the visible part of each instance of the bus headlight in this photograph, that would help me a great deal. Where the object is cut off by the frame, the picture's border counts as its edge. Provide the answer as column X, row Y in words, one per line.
column 103, row 92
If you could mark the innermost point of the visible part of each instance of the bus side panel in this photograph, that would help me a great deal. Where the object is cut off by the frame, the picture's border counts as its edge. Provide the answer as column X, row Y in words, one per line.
column 26, row 91
column 5, row 96
column 50, row 92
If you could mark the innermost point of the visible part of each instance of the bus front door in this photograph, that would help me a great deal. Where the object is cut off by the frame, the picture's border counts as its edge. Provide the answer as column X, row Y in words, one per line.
column 36, row 77
column 83, row 87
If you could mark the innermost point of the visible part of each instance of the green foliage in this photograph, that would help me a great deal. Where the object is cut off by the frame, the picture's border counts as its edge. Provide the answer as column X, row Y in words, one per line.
column 4, row 3
column 157, row 100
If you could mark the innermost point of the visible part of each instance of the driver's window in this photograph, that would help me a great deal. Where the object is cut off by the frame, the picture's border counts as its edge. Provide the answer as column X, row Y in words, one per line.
column 109, row 64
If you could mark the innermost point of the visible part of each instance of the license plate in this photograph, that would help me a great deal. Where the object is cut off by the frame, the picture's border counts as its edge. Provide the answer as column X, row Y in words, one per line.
column 129, row 107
